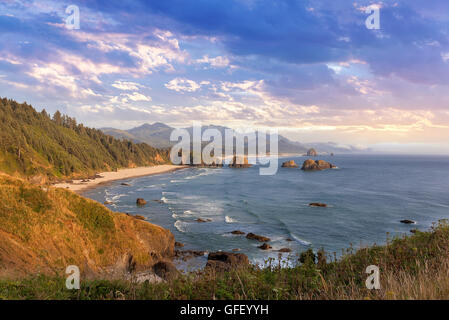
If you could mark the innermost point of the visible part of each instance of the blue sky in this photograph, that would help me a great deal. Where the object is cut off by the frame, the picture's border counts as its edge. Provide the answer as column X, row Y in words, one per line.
column 309, row 68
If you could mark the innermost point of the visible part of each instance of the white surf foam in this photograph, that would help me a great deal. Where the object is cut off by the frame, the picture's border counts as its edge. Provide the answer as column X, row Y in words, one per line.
column 304, row 242
column 181, row 226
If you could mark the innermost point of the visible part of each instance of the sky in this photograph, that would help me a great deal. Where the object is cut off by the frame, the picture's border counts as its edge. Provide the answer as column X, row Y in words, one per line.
column 311, row 69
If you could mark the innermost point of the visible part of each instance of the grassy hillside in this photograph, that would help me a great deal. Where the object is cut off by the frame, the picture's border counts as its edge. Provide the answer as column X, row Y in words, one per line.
column 415, row 267
column 45, row 230
column 32, row 143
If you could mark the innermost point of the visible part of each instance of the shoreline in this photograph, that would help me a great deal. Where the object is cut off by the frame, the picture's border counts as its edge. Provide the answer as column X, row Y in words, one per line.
column 121, row 174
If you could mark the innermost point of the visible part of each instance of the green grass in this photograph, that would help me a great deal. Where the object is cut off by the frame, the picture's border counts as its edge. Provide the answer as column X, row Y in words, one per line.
column 92, row 216
column 413, row 267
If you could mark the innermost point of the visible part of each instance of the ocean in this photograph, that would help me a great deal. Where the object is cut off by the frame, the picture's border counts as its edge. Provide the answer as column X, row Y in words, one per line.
column 367, row 196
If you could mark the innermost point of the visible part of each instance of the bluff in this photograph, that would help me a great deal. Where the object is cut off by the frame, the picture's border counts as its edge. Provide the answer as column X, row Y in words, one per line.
column 45, row 230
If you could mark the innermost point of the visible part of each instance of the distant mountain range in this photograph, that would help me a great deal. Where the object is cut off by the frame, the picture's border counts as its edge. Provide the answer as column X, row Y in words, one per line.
column 158, row 135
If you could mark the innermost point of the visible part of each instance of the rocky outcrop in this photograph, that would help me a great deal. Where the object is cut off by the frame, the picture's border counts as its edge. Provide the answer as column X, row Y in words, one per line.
column 312, row 165
column 237, row 232
column 191, row 161
column 166, row 270
column 253, row 236
column 317, row 204
column 185, row 255
column 312, row 152
column 203, row 220
column 141, row 202
column 285, row 250
column 225, row 261
column 407, row 221
column 289, row 164
column 265, row 246
column 239, row 162
column 81, row 232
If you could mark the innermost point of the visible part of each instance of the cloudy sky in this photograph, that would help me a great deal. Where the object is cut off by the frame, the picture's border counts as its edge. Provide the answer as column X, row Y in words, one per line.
column 312, row 69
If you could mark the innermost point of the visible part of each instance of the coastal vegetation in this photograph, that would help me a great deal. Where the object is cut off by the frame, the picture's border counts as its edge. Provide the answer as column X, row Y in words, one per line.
column 36, row 144
column 412, row 267
column 43, row 230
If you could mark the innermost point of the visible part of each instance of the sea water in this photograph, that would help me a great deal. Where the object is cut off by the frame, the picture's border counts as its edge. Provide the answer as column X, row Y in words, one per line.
column 367, row 196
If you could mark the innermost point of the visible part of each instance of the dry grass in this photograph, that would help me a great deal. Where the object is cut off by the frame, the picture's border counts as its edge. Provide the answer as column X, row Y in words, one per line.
column 414, row 267
column 45, row 230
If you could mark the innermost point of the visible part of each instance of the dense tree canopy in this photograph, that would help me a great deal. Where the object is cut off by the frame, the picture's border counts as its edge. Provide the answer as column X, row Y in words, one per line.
column 33, row 143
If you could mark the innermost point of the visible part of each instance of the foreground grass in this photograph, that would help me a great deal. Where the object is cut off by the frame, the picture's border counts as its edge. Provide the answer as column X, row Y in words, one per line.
column 414, row 267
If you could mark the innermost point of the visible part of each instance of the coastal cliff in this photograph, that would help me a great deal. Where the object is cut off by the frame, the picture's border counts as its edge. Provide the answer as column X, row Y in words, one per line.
column 45, row 230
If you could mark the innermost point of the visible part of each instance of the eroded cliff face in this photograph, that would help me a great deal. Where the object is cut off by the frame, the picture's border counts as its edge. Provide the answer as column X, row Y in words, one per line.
column 45, row 230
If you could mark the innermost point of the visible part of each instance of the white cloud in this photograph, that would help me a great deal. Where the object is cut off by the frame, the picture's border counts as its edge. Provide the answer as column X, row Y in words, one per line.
column 217, row 62
column 135, row 96
column 127, row 85
column 182, row 85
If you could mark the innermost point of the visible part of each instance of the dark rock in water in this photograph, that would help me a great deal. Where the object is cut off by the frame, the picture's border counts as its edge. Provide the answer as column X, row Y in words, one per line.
column 238, row 232
column 309, row 164
column 253, row 236
column 166, row 270
column 225, row 261
column 289, row 164
column 179, row 244
column 199, row 163
column 188, row 254
column 265, row 246
column 312, row 165
column 141, row 202
column 285, row 250
column 324, row 165
column 317, row 204
column 202, row 220
column 312, row 152
column 125, row 184
column 239, row 162
column 289, row 239
column 332, row 154
column 406, row 221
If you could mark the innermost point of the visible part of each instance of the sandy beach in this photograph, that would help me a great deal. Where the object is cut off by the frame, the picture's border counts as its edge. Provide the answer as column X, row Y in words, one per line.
column 78, row 185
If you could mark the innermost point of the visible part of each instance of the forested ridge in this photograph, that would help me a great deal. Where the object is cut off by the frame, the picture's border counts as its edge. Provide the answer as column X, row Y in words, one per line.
column 34, row 143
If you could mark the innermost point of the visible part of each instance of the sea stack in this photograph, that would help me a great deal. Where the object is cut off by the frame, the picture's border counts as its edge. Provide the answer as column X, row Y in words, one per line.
column 289, row 164
column 312, row 165
column 312, row 152
column 239, row 162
